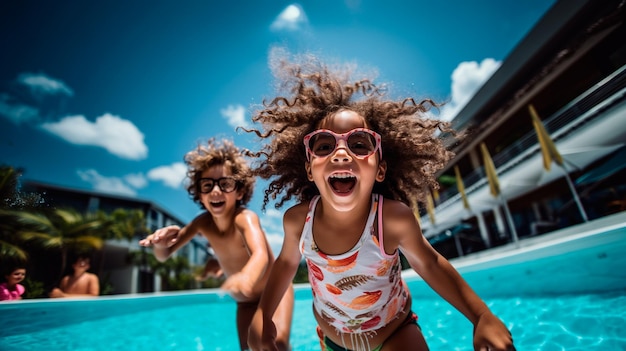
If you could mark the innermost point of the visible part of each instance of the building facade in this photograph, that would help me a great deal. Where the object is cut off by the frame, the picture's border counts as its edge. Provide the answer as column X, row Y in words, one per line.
column 124, row 276
column 571, row 70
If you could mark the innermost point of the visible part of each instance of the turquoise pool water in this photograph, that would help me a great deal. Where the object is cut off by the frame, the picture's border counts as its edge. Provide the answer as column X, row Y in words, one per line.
column 575, row 300
column 579, row 322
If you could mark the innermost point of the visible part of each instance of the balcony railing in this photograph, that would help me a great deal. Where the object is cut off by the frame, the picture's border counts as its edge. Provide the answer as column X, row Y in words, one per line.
column 578, row 112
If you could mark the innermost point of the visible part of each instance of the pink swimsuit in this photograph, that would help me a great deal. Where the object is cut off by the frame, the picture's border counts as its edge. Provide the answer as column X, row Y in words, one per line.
column 360, row 290
column 6, row 294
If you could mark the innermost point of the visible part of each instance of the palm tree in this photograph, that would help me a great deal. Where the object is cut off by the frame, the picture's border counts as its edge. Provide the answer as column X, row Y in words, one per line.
column 10, row 195
column 10, row 238
column 12, row 199
column 126, row 224
column 61, row 229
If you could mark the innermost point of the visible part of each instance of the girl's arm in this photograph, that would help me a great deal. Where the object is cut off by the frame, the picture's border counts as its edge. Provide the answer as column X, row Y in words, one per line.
column 402, row 230
column 262, row 331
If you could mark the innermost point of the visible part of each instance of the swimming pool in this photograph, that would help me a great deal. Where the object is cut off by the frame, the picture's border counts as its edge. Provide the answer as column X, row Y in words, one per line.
column 566, row 297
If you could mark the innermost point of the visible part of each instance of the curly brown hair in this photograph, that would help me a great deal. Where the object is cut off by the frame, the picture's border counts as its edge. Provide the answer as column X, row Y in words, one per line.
column 411, row 147
column 216, row 153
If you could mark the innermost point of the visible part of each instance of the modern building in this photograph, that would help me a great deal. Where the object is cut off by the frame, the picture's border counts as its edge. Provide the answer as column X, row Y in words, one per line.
column 124, row 276
column 571, row 68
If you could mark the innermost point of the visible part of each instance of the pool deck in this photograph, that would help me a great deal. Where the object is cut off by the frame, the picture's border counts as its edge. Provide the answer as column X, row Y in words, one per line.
column 547, row 256
column 601, row 231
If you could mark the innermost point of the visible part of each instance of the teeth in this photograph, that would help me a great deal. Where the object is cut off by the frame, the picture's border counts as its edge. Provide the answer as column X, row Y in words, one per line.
column 342, row 176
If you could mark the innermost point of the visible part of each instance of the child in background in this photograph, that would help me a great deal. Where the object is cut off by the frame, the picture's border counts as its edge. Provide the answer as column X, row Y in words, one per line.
column 80, row 283
column 11, row 289
column 356, row 167
column 221, row 182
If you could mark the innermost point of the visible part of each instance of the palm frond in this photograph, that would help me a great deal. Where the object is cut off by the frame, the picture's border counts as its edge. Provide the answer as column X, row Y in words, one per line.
column 89, row 241
column 8, row 250
column 43, row 240
column 68, row 216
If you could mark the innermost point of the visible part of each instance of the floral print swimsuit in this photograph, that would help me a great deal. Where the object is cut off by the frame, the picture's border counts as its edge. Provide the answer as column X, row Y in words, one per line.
column 360, row 290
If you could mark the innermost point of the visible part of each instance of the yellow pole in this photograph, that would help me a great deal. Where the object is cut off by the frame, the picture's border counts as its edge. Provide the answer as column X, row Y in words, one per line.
column 494, row 187
column 548, row 148
column 490, row 170
column 550, row 152
column 461, row 187
column 430, row 207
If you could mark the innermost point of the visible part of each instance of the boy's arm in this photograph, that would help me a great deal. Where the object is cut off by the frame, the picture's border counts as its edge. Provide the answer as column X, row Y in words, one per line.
column 249, row 224
column 58, row 292
column 63, row 283
column 94, row 286
column 442, row 277
column 167, row 240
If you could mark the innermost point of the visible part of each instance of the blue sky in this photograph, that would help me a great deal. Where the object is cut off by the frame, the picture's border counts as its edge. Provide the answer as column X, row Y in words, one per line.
column 110, row 95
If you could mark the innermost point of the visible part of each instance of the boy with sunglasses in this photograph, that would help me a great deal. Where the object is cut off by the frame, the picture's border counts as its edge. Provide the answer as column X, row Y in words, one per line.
column 356, row 166
column 221, row 182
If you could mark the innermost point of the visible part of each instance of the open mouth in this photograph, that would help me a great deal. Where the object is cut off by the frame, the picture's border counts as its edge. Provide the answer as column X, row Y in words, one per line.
column 342, row 183
column 217, row 204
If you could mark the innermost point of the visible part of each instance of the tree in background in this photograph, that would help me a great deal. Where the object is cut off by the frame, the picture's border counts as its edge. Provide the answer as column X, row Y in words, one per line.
column 31, row 231
column 12, row 200
column 11, row 242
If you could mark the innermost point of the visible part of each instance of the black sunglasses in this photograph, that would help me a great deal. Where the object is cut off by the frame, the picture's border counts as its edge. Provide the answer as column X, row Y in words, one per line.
column 226, row 184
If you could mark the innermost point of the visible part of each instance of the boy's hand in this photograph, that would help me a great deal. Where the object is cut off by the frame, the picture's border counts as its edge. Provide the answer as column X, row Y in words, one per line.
column 490, row 334
column 56, row 292
column 162, row 238
column 239, row 284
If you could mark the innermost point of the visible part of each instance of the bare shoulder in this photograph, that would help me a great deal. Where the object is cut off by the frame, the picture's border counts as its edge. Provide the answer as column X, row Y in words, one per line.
column 64, row 280
column 92, row 277
column 246, row 214
column 297, row 212
column 247, row 220
column 396, row 210
column 202, row 223
column 398, row 218
column 295, row 217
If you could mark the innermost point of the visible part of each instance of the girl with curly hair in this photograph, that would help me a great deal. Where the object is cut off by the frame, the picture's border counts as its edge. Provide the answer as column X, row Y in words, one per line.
column 355, row 167
column 221, row 182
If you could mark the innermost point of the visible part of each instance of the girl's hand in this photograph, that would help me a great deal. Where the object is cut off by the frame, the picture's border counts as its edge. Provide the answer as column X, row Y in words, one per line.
column 162, row 238
column 490, row 334
column 262, row 334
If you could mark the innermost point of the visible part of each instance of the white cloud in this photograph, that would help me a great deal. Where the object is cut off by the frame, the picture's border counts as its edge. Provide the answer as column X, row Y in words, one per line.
column 118, row 136
column 41, row 84
column 17, row 112
column 33, row 97
column 291, row 18
column 467, row 79
column 272, row 222
column 101, row 183
column 137, row 180
column 172, row 175
column 276, row 241
column 235, row 115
